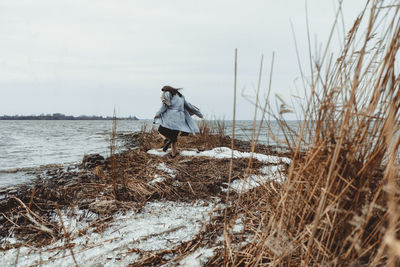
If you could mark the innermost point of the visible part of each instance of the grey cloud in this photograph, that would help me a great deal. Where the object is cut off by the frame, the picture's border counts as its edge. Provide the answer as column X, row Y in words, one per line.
column 86, row 56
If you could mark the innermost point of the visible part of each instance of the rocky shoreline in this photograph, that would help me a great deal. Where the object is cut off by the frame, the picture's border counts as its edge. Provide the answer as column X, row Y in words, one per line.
column 58, row 173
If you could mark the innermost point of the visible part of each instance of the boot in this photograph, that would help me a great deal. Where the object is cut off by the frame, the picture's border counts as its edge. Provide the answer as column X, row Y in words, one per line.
column 167, row 142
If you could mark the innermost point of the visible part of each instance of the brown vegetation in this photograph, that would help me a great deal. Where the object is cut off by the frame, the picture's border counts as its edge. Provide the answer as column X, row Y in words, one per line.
column 119, row 183
column 340, row 203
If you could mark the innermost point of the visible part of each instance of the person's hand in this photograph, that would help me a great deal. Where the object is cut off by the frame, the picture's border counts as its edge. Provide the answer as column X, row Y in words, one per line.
column 156, row 117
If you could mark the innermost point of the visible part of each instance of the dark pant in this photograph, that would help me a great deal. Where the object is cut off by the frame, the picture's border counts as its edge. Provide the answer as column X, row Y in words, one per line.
column 171, row 134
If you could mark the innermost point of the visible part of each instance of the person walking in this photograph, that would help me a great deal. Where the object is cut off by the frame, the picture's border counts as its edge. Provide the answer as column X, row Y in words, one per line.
column 174, row 117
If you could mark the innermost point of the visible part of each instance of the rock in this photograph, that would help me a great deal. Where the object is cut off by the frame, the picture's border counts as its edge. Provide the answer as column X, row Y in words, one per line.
column 92, row 160
column 129, row 140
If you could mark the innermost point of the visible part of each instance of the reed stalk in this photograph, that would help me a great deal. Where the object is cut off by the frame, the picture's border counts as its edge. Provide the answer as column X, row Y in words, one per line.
column 227, row 245
column 112, row 155
column 339, row 203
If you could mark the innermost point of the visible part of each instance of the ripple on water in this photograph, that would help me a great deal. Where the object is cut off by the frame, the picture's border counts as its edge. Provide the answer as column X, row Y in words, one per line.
column 35, row 143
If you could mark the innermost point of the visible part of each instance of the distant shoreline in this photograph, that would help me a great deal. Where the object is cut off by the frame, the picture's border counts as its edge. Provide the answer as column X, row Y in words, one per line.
column 77, row 119
column 59, row 116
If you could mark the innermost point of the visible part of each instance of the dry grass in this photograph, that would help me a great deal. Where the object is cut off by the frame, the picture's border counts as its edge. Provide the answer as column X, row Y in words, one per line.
column 340, row 203
column 123, row 182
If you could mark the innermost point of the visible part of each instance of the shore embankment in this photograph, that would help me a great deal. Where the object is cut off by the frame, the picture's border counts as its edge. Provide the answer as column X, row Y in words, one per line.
column 139, row 206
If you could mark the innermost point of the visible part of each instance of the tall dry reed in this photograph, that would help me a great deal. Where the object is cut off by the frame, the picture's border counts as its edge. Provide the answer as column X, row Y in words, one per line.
column 340, row 202
column 112, row 155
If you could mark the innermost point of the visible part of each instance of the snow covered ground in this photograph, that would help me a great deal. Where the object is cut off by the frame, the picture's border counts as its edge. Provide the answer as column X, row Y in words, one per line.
column 224, row 153
column 269, row 172
column 159, row 226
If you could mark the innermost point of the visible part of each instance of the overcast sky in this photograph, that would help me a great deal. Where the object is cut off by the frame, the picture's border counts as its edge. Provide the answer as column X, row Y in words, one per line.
column 87, row 57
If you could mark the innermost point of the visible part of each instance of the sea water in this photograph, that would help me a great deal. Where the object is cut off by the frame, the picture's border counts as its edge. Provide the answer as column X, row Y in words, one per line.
column 34, row 143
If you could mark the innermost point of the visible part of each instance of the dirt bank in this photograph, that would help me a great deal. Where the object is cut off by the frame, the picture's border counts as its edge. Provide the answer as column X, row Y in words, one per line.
column 52, row 216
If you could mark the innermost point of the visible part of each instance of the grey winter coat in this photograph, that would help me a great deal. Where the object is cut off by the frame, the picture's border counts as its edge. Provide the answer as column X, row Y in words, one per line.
column 175, row 114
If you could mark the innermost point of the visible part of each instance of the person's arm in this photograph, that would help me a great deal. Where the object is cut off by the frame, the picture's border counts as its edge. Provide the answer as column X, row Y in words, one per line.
column 193, row 109
column 164, row 106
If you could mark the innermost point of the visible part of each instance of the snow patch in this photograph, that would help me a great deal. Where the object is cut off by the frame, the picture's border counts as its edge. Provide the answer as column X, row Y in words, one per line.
column 270, row 173
column 238, row 226
column 197, row 258
column 275, row 173
column 159, row 226
column 157, row 152
column 157, row 179
column 164, row 168
column 244, row 185
column 225, row 152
